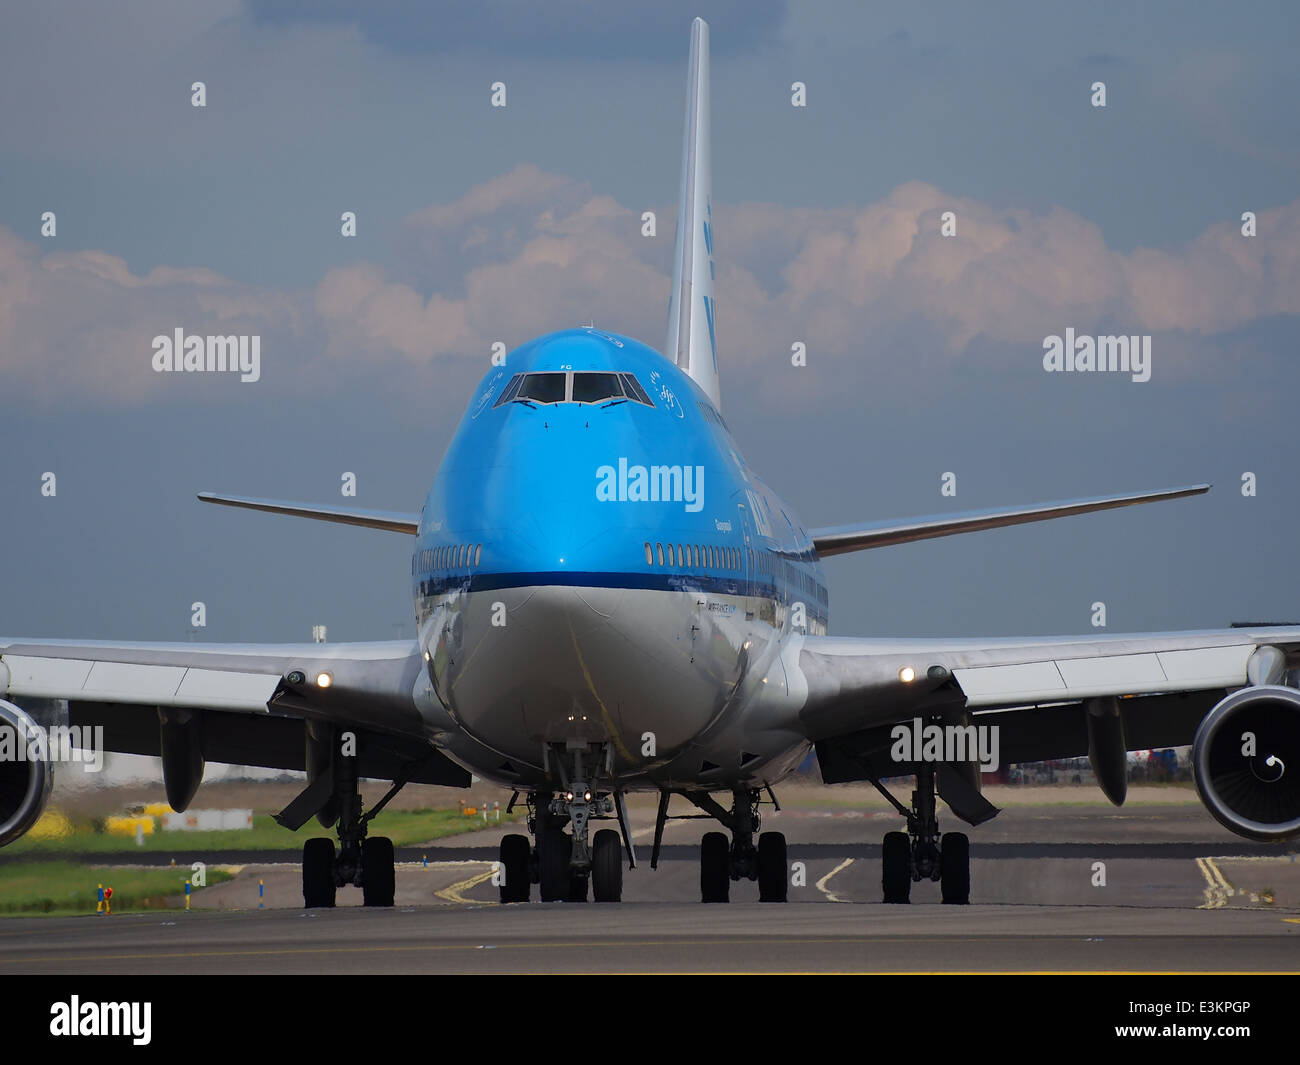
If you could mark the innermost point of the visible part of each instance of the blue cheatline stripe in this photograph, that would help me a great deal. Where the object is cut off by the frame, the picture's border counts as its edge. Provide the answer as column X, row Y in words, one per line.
column 665, row 582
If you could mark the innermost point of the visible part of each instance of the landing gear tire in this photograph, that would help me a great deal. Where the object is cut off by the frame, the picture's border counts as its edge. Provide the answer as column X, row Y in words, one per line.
column 773, row 884
column 514, row 854
column 607, row 866
column 896, row 871
column 954, row 868
column 554, row 849
column 578, row 888
column 318, row 874
column 378, row 881
column 715, row 868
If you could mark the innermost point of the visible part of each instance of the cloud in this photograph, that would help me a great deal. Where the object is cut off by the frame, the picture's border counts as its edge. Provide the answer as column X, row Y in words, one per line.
column 76, row 327
column 530, row 252
column 565, row 29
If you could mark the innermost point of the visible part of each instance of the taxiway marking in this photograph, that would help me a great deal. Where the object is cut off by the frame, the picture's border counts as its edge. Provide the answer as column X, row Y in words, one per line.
column 1217, row 889
column 453, row 892
column 821, row 884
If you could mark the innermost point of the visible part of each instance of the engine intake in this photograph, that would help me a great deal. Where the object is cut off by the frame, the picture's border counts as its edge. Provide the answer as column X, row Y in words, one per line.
column 25, row 772
column 1247, row 762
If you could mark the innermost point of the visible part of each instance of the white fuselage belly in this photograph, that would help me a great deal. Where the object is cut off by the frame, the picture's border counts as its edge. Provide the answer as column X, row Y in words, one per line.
column 666, row 676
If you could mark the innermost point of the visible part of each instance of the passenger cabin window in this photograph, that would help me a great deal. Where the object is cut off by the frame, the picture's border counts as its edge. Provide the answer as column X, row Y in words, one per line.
column 712, row 556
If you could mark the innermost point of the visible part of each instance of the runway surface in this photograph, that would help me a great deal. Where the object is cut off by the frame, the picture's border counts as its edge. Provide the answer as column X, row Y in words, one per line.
column 1054, row 888
column 657, row 937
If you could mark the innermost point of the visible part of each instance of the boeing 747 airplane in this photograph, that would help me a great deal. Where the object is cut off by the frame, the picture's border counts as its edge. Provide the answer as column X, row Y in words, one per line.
column 609, row 599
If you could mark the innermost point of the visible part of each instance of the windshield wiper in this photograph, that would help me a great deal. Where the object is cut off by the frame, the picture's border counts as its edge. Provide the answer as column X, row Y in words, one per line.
column 614, row 402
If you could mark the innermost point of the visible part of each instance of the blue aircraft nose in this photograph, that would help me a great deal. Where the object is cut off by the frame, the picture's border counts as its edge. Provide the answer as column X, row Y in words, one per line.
column 536, row 495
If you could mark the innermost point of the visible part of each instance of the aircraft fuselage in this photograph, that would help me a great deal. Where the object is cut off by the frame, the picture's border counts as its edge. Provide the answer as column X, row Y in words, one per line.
column 609, row 569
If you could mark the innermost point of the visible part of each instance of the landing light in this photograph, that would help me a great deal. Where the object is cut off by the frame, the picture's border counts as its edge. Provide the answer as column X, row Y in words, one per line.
column 907, row 674
column 323, row 680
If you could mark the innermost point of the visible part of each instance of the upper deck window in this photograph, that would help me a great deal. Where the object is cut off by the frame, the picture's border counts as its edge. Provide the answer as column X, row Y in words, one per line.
column 711, row 415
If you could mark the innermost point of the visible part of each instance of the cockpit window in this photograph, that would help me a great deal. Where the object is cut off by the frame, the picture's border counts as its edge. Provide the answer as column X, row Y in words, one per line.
column 511, row 389
column 596, row 387
column 571, row 387
column 634, row 390
column 542, row 388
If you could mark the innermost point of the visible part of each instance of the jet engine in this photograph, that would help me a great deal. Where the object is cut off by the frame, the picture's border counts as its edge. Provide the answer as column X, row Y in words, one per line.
column 1247, row 762
column 25, row 772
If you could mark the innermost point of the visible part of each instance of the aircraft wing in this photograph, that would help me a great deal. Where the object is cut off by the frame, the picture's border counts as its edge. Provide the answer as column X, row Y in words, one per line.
column 243, row 704
column 389, row 520
column 1044, row 694
column 842, row 673
column 839, row 539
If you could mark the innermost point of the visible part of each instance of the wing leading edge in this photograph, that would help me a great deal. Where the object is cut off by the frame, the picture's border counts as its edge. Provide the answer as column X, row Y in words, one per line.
column 248, row 703
column 389, row 520
column 846, row 676
column 1060, row 697
column 839, row 539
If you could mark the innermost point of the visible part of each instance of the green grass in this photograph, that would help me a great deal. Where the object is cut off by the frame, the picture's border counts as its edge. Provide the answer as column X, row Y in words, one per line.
column 62, row 888
column 405, row 828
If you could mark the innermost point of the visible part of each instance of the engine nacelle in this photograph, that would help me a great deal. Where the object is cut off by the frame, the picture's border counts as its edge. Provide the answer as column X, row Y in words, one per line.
column 26, row 775
column 1246, row 757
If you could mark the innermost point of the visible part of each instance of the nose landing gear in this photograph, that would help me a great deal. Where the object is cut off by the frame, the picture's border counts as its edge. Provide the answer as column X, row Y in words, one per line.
column 567, row 865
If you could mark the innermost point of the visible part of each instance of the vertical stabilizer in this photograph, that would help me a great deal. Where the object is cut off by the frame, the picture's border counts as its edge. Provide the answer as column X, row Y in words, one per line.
column 692, row 337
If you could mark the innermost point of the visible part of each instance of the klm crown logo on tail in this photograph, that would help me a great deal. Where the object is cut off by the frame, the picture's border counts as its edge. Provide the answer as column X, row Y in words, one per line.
column 708, row 300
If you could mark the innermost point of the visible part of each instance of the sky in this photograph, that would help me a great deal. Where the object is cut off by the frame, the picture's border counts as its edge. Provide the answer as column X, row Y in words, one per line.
column 477, row 224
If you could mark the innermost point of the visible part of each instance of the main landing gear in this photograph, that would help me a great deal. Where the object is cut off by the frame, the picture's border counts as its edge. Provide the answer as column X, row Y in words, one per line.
column 333, row 796
column 921, row 853
column 722, row 862
column 570, row 866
